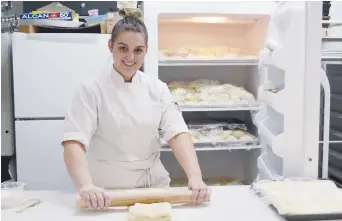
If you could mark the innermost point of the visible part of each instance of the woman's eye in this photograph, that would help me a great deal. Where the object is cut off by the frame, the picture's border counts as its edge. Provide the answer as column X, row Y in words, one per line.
column 123, row 49
column 138, row 50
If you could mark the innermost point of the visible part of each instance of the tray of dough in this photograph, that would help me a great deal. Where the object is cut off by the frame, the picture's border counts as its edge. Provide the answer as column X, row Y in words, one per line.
column 302, row 199
column 220, row 135
column 205, row 93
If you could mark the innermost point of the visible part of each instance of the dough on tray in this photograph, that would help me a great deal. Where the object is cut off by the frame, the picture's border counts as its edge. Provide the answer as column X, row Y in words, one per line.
column 238, row 133
column 177, row 84
column 150, row 212
column 209, row 92
column 231, row 138
column 179, row 94
column 295, row 197
column 246, row 137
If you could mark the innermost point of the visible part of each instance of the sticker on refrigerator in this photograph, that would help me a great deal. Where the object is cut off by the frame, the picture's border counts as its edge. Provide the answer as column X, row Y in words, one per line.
column 50, row 15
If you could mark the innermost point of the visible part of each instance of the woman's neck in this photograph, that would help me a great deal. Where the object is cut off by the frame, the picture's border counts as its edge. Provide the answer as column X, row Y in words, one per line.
column 126, row 78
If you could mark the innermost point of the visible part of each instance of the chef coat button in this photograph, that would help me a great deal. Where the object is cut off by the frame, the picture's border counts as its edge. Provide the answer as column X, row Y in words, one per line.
column 146, row 157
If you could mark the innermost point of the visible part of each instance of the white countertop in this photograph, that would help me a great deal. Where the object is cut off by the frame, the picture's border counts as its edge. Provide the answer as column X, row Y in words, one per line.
column 227, row 203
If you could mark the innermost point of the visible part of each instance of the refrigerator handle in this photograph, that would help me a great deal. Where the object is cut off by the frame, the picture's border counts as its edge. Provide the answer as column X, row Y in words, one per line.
column 326, row 124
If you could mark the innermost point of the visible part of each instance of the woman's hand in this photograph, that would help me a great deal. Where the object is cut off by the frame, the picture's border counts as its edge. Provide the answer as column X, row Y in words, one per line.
column 200, row 191
column 95, row 197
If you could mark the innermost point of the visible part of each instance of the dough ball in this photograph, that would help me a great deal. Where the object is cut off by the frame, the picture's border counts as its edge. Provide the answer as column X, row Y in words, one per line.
column 249, row 98
column 214, row 134
column 226, row 133
column 213, row 89
column 246, row 138
column 192, row 98
column 183, row 52
column 198, row 84
column 238, row 133
column 195, row 136
column 243, row 102
column 177, row 84
column 179, row 94
column 223, row 99
column 231, row 138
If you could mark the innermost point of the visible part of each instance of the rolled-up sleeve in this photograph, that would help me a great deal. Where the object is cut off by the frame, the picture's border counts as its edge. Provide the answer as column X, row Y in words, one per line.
column 81, row 119
column 172, row 121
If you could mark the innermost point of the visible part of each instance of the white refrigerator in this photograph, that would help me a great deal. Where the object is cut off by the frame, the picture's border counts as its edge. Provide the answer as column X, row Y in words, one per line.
column 285, row 37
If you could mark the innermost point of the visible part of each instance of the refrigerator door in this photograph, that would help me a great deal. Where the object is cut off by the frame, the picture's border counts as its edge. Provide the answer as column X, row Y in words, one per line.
column 290, row 65
column 40, row 162
column 47, row 69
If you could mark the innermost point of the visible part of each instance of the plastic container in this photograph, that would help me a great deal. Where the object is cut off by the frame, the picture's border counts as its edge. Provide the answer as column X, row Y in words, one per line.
column 94, row 20
column 12, row 194
column 93, row 12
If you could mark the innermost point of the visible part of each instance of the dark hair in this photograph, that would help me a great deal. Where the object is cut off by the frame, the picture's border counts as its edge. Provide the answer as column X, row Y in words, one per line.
column 129, row 23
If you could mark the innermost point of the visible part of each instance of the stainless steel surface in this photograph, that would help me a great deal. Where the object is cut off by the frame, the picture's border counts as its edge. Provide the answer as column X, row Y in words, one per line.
column 331, row 55
column 191, row 108
column 328, row 39
column 7, row 146
column 209, row 148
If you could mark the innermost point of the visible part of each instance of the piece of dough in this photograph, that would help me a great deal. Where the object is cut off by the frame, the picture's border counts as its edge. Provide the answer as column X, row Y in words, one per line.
column 179, row 94
column 231, row 138
column 238, row 133
column 246, row 137
column 302, row 197
column 150, row 212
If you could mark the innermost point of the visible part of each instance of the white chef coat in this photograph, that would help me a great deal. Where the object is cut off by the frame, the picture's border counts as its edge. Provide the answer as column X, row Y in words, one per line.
column 119, row 123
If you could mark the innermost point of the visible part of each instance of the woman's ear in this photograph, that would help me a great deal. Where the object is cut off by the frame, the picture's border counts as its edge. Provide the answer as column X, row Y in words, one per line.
column 110, row 45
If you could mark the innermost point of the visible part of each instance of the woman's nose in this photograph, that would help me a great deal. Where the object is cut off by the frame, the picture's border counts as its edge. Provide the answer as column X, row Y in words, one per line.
column 130, row 56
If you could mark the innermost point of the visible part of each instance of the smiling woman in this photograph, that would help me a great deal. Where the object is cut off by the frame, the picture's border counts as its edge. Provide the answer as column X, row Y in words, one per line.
column 128, row 45
column 111, row 133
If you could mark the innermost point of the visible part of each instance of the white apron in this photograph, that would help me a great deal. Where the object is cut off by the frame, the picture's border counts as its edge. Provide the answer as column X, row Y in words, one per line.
column 128, row 154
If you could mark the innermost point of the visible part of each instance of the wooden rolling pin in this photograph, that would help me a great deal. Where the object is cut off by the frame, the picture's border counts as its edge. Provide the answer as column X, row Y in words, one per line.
column 149, row 195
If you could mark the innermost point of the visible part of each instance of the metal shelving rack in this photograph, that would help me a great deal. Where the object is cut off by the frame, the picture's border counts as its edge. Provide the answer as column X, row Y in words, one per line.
column 253, row 61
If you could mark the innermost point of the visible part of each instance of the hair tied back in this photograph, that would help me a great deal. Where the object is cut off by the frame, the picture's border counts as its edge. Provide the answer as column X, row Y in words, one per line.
column 130, row 12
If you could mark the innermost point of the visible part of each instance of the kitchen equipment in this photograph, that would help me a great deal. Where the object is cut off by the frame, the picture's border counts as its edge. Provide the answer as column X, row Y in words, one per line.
column 12, row 194
column 150, row 195
column 302, row 198
column 286, row 34
column 93, row 12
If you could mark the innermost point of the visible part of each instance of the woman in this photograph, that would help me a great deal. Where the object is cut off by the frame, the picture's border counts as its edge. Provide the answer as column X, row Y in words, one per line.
column 112, row 129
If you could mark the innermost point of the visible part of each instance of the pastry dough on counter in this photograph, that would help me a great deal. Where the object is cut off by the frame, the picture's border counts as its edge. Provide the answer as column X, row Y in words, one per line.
column 209, row 92
column 150, row 212
column 294, row 197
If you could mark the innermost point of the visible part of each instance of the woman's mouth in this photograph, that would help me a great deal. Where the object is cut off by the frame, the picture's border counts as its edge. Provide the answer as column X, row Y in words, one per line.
column 128, row 64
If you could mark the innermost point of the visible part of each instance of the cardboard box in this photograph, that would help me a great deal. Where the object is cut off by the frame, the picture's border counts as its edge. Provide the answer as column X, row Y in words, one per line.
column 96, row 29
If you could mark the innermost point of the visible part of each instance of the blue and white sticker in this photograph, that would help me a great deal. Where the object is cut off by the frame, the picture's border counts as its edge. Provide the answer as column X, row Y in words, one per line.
column 49, row 15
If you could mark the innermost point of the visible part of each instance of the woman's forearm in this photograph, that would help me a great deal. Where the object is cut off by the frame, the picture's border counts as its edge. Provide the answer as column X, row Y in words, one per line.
column 76, row 163
column 185, row 154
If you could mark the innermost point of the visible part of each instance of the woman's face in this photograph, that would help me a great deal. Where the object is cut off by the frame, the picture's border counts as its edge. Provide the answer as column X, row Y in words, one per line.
column 128, row 49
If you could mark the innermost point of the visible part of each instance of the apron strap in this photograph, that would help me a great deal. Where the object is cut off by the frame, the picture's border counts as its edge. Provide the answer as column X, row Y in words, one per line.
column 145, row 179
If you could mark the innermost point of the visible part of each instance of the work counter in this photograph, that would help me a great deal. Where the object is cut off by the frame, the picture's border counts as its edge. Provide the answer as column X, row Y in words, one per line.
column 236, row 203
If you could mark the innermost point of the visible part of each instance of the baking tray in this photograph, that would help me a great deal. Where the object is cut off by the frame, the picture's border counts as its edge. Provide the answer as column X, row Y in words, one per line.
column 313, row 217
column 228, row 125
column 235, row 143
column 288, row 217
column 220, row 106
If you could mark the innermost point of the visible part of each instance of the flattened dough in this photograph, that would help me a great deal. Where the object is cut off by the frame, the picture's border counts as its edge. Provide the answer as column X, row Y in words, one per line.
column 150, row 212
column 295, row 197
